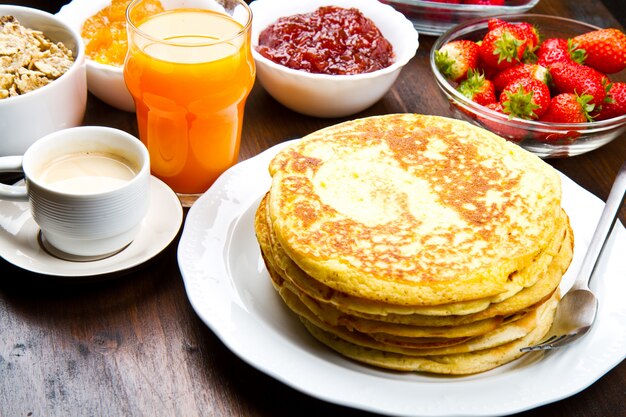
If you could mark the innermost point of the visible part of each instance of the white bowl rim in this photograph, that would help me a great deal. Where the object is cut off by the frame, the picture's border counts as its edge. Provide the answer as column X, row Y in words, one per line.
column 79, row 57
column 104, row 67
column 399, row 62
column 494, row 115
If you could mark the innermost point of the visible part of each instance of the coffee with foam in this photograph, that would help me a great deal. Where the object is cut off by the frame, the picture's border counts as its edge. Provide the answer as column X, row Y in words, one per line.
column 87, row 172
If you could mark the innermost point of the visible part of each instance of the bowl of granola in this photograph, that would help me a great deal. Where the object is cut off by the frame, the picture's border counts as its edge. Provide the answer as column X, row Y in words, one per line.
column 43, row 85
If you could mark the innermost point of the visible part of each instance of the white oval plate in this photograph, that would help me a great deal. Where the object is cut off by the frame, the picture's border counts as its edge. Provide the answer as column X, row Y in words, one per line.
column 229, row 288
column 19, row 243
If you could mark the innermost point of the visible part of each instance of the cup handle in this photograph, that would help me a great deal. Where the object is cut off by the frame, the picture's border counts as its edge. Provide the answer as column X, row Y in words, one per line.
column 12, row 192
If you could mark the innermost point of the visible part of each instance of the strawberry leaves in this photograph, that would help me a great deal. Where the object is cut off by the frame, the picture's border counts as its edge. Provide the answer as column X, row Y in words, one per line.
column 477, row 88
column 525, row 98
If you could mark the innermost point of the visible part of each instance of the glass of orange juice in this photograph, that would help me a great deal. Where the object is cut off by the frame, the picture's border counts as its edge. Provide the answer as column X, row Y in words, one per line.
column 189, row 68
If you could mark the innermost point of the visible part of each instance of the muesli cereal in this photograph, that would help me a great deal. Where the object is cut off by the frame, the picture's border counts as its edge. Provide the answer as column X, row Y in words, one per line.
column 28, row 59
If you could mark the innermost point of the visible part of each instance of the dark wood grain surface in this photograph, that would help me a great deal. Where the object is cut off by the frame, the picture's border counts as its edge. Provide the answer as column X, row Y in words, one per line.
column 133, row 345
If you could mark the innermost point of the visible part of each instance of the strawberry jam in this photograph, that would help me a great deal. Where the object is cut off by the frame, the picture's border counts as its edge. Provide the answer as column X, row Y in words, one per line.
column 330, row 40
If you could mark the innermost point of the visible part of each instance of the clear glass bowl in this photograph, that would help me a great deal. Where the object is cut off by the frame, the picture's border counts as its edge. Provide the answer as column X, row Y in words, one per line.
column 432, row 18
column 547, row 140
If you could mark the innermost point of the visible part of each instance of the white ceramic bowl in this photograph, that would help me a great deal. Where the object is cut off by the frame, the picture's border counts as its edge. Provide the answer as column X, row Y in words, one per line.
column 323, row 95
column 104, row 81
column 58, row 105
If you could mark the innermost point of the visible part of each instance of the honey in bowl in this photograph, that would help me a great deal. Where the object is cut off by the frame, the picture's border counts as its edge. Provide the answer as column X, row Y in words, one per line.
column 105, row 32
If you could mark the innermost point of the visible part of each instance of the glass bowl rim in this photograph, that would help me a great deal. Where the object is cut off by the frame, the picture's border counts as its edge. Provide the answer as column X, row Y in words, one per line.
column 463, row 7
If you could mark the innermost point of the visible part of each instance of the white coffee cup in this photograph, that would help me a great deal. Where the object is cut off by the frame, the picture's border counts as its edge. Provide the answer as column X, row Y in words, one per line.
column 88, row 189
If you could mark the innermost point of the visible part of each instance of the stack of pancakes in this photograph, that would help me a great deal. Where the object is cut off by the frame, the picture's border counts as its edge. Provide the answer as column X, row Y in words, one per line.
column 415, row 242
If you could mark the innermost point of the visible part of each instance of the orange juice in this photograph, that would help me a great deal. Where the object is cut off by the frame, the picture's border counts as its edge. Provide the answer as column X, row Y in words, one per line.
column 189, row 72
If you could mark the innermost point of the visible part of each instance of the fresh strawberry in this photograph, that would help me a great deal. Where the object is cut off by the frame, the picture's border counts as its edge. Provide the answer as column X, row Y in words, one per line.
column 566, row 108
column 486, row 69
column 477, row 88
column 528, row 30
column 606, row 49
column 495, row 22
column 500, row 125
column 526, row 98
column 505, row 77
column 531, row 33
column 569, row 108
column 569, row 77
column 616, row 104
column 555, row 50
column 455, row 58
column 503, row 47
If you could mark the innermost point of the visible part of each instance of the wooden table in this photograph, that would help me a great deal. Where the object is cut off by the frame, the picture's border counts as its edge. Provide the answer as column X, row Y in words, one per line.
column 134, row 345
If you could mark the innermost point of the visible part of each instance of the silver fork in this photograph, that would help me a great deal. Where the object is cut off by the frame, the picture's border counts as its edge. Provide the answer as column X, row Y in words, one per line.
column 576, row 311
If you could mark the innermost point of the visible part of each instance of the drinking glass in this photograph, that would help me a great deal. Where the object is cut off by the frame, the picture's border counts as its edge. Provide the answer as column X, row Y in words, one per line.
column 189, row 68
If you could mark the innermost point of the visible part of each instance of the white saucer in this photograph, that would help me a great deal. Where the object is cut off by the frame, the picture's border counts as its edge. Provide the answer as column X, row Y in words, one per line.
column 19, row 243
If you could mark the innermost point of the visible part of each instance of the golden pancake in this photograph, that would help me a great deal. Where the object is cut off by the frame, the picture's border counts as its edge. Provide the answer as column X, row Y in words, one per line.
column 392, row 333
column 451, row 364
column 502, row 335
column 437, row 336
column 412, row 210
column 292, row 272
column 332, row 316
column 415, row 242
column 321, row 292
column 525, row 299
column 497, row 313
